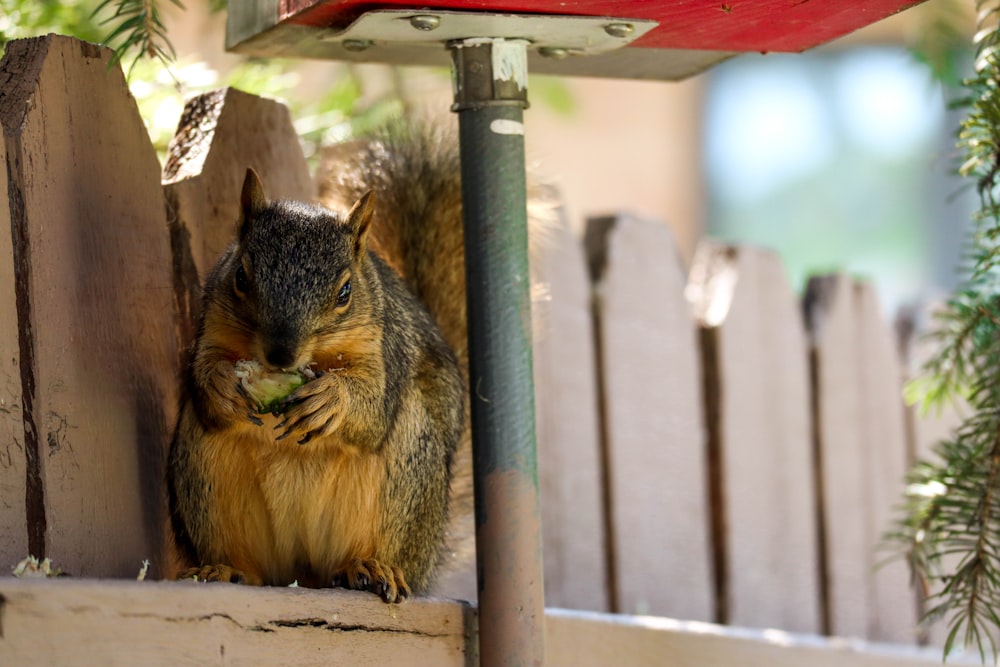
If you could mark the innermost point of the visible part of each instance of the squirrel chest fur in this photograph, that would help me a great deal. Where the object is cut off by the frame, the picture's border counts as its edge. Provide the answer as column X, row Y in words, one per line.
column 348, row 482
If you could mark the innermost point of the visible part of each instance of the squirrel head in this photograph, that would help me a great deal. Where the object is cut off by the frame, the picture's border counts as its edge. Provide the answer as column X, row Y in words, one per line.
column 295, row 271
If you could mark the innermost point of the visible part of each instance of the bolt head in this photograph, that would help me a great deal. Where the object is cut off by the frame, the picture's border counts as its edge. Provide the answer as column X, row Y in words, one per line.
column 554, row 52
column 425, row 22
column 620, row 30
column 357, row 45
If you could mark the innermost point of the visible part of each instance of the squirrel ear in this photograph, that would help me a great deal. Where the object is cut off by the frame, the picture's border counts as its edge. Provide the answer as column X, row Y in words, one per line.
column 359, row 219
column 252, row 200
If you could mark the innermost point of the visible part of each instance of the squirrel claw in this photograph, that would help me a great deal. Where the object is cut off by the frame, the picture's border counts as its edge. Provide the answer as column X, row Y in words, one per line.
column 242, row 391
column 254, row 419
column 370, row 575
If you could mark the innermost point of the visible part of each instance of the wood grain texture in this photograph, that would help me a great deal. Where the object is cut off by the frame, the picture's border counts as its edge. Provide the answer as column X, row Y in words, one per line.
column 654, row 437
column 763, row 431
column 566, row 395
column 862, row 459
column 13, row 528
column 68, row 623
column 842, row 461
column 94, row 305
column 883, row 416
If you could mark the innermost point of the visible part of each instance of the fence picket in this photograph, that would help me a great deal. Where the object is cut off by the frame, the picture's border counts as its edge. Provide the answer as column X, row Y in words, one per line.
column 841, row 461
column 96, row 309
column 757, row 368
column 862, row 457
column 14, row 545
column 89, row 301
column 883, row 418
column 569, row 461
column 654, row 436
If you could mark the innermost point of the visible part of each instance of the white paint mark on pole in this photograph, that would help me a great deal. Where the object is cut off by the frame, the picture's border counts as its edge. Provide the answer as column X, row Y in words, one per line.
column 505, row 126
column 510, row 61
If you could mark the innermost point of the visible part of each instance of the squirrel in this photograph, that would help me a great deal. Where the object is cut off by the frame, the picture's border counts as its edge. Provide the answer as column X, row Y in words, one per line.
column 349, row 482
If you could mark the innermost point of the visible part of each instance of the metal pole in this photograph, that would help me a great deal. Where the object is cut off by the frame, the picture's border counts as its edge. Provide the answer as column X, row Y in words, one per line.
column 490, row 96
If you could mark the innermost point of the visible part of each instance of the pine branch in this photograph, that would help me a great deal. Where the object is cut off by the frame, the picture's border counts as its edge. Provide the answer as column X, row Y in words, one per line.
column 138, row 28
column 953, row 504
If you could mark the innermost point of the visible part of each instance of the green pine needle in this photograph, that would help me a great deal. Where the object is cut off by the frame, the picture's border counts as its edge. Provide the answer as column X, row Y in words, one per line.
column 139, row 29
column 950, row 531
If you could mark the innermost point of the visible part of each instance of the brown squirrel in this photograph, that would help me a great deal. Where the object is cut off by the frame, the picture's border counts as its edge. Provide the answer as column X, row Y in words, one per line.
column 348, row 484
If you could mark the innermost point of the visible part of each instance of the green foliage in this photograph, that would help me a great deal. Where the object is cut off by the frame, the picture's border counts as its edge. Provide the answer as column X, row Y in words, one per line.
column 950, row 532
column 335, row 115
column 160, row 82
column 128, row 26
column 553, row 93
column 20, row 19
column 137, row 27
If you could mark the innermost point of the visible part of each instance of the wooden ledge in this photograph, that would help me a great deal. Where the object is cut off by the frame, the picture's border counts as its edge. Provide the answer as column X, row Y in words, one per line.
column 88, row 622
column 69, row 622
column 580, row 638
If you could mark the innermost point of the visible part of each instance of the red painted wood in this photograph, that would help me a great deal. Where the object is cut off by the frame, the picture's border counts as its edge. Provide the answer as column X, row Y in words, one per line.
column 715, row 25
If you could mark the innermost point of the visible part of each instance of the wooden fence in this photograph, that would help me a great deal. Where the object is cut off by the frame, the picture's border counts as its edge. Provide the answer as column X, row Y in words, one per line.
column 752, row 445
column 711, row 447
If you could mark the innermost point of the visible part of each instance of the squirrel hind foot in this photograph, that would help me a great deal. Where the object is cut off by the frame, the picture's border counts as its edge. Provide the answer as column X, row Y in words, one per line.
column 371, row 575
column 224, row 573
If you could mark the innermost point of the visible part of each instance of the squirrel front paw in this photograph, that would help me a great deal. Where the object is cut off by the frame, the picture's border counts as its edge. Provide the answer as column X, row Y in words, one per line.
column 314, row 410
column 371, row 575
column 225, row 400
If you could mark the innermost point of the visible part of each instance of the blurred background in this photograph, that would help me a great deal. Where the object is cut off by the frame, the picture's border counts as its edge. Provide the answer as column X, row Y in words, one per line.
column 840, row 158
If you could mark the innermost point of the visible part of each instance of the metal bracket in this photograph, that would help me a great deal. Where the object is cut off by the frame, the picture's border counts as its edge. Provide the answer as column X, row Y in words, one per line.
column 552, row 36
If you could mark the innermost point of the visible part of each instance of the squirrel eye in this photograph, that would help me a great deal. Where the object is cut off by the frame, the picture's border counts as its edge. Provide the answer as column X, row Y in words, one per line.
column 241, row 282
column 345, row 294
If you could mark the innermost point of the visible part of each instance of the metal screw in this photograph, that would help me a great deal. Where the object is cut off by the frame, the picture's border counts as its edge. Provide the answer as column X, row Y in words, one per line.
column 554, row 52
column 620, row 30
column 425, row 22
column 357, row 44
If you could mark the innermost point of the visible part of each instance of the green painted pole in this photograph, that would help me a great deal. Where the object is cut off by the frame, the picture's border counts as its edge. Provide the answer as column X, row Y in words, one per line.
column 490, row 97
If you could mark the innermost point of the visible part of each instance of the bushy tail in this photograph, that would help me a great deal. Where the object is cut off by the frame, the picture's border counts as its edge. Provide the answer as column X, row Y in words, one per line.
column 414, row 171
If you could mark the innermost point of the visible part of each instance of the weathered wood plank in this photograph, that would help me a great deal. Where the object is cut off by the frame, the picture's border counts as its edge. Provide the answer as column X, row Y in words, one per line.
column 569, row 461
column 841, row 459
column 654, row 441
column 580, row 639
column 13, row 527
column 754, row 343
column 883, row 420
column 67, row 623
column 220, row 134
column 862, row 457
column 94, row 305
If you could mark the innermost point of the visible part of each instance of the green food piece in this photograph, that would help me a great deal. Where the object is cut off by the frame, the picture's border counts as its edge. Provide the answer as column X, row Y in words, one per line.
column 268, row 390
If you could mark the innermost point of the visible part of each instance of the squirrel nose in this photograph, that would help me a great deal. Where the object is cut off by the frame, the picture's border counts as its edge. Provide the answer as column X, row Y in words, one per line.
column 280, row 356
